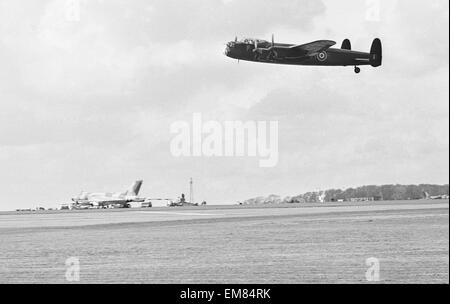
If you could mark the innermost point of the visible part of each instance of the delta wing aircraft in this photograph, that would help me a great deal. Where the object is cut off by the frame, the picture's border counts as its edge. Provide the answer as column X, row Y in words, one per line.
column 317, row 53
column 103, row 199
column 435, row 197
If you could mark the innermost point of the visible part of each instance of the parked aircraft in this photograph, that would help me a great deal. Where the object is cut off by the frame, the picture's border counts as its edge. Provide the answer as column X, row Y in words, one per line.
column 88, row 200
column 435, row 197
column 180, row 202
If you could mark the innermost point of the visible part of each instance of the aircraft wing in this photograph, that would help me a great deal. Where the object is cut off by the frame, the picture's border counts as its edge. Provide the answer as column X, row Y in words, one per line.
column 313, row 48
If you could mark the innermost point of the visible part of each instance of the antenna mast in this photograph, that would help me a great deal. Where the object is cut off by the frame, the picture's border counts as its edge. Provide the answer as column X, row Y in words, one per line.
column 191, row 191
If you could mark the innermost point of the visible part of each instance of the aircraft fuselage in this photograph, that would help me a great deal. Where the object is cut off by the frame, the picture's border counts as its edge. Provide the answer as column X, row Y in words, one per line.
column 317, row 53
column 330, row 57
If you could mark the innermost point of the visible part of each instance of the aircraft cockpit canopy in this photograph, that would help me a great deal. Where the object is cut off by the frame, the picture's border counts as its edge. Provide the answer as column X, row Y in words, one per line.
column 252, row 41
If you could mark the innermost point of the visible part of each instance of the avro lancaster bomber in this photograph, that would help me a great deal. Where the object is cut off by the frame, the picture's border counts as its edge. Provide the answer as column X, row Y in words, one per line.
column 317, row 53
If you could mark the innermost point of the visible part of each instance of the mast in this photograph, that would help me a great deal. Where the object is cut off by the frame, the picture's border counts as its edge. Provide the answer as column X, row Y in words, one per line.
column 191, row 191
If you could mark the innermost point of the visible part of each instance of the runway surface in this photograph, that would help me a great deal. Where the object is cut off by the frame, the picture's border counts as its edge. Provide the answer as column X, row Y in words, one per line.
column 275, row 244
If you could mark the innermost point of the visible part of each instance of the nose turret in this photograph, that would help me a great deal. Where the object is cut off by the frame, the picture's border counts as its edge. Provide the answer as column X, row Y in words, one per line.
column 229, row 48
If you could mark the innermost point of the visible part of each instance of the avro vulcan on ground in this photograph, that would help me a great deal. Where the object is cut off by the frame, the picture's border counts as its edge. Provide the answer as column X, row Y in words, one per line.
column 314, row 53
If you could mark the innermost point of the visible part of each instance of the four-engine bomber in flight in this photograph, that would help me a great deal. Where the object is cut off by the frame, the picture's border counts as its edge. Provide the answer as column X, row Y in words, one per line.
column 317, row 53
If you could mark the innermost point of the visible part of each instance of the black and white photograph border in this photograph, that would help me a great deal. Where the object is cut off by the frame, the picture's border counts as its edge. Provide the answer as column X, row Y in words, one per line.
column 224, row 142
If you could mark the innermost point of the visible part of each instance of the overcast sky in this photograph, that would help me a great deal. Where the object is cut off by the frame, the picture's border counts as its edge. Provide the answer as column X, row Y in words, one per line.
column 87, row 98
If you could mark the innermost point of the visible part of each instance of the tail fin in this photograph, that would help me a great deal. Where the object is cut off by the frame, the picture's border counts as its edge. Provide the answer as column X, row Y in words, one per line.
column 376, row 53
column 135, row 188
column 346, row 45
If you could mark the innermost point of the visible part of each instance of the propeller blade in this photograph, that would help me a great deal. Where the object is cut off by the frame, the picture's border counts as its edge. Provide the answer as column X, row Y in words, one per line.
column 256, row 47
column 235, row 39
column 273, row 40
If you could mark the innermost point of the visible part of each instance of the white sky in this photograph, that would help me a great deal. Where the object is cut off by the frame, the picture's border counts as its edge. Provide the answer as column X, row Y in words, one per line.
column 87, row 99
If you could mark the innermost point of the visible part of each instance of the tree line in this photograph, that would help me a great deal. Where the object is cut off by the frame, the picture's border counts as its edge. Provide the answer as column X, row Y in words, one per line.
column 372, row 193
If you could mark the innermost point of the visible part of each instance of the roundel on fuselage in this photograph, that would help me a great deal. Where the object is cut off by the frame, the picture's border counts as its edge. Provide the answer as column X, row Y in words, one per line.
column 322, row 56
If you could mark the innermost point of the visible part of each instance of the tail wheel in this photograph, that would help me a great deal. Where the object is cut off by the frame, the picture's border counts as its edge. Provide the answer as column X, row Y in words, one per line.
column 357, row 70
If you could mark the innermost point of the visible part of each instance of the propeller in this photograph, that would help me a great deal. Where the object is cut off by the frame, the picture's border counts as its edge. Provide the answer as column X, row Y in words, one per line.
column 269, row 49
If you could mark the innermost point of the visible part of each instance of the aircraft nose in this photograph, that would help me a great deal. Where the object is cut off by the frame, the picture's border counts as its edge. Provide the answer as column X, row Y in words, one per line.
column 229, row 47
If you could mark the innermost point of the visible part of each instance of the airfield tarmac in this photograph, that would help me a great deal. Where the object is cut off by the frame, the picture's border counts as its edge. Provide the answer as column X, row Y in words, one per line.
column 326, row 243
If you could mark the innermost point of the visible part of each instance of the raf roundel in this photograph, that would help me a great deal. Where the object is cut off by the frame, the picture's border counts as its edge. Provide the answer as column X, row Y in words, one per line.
column 322, row 56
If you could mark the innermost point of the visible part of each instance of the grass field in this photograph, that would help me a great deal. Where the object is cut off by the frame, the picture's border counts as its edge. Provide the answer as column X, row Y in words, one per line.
column 279, row 244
